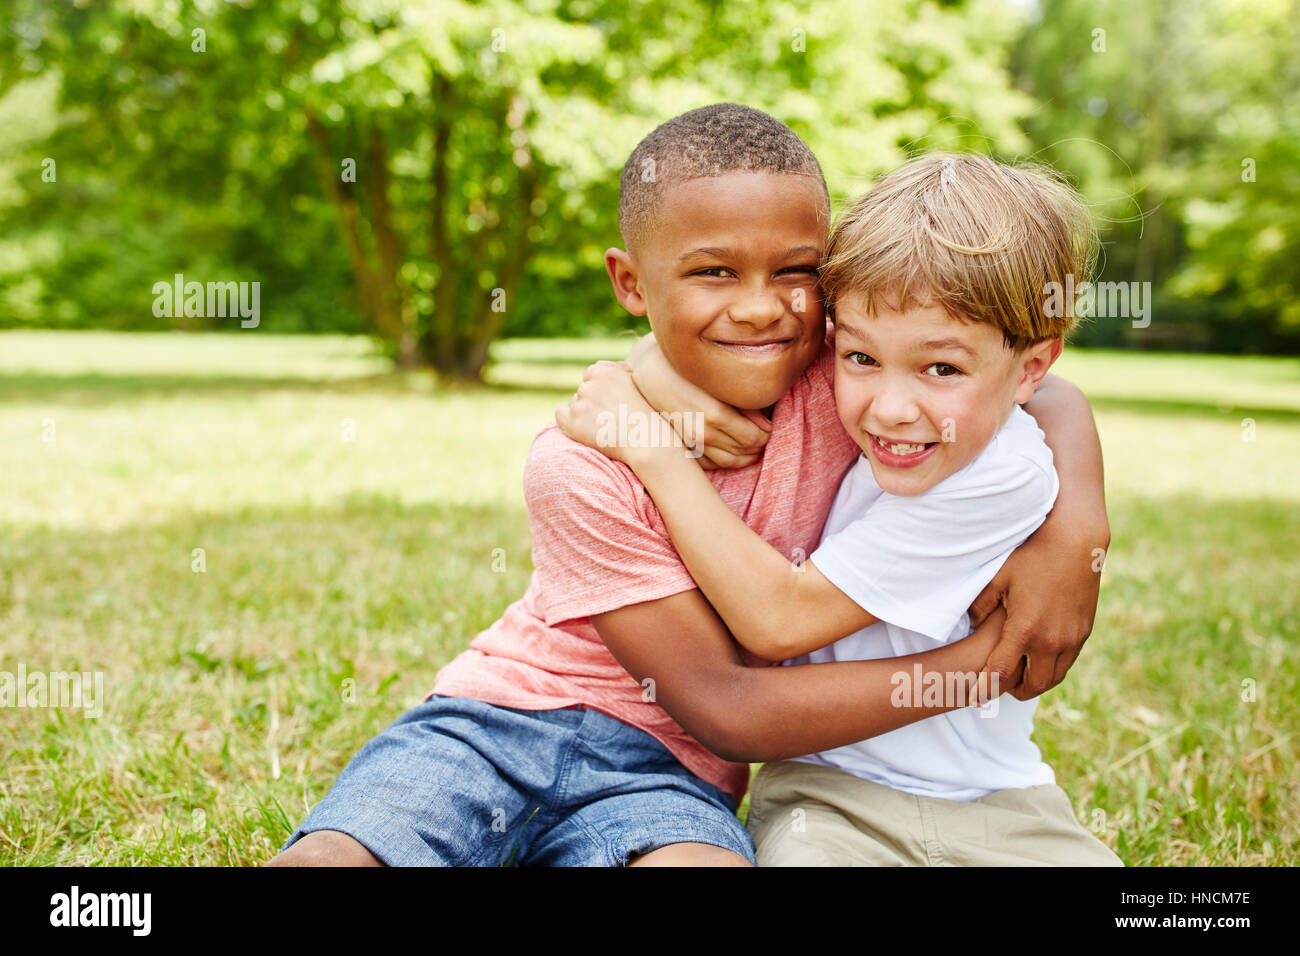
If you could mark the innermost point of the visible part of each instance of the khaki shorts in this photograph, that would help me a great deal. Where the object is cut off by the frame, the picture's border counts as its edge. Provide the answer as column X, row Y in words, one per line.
column 806, row 815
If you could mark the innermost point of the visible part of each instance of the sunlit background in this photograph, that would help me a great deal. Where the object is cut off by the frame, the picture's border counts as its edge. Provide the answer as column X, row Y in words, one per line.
column 269, row 529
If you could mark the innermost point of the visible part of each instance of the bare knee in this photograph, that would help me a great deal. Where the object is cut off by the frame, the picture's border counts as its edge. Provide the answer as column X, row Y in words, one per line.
column 690, row 854
column 326, row 848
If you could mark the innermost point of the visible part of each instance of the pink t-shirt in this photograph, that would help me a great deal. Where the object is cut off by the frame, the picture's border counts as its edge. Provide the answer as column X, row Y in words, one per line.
column 599, row 545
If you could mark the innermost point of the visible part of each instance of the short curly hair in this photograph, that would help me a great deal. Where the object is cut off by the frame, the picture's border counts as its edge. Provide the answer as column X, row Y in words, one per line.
column 709, row 141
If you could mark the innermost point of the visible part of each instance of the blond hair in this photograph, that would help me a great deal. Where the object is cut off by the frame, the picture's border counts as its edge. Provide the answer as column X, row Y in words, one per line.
column 980, row 238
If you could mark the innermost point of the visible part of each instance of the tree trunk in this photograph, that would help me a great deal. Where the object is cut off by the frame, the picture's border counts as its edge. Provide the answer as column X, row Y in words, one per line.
column 442, row 324
column 376, row 285
column 397, row 315
column 462, row 351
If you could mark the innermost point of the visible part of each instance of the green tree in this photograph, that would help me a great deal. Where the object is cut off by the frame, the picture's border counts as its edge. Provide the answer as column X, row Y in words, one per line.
column 428, row 161
column 1154, row 108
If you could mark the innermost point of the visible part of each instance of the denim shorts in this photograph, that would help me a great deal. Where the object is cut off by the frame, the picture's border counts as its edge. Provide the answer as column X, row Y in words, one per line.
column 457, row 782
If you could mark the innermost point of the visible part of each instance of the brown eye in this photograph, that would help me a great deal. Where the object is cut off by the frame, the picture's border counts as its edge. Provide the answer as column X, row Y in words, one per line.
column 944, row 370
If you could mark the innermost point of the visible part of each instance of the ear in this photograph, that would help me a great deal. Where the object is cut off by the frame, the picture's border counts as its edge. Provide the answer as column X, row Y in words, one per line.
column 623, row 274
column 1032, row 365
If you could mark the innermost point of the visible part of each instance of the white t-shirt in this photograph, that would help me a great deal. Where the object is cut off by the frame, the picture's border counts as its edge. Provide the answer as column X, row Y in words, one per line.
column 916, row 563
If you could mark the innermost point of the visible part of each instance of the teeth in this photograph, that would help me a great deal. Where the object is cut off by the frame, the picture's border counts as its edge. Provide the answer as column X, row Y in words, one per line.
column 910, row 449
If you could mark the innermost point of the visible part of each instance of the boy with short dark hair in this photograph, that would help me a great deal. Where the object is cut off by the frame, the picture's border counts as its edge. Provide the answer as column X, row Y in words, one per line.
column 607, row 717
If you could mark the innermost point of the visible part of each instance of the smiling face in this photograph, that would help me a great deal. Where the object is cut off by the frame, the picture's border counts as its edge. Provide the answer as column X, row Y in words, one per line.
column 923, row 393
column 728, row 279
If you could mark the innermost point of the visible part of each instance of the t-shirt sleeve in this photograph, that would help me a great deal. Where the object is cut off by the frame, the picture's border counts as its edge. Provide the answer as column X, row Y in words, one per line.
column 918, row 562
column 595, row 548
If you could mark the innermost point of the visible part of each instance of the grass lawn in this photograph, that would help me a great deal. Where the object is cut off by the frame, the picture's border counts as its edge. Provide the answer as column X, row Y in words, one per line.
column 269, row 545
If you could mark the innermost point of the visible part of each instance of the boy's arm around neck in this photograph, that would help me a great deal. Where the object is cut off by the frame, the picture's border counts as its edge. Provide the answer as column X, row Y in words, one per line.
column 774, row 608
column 724, row 436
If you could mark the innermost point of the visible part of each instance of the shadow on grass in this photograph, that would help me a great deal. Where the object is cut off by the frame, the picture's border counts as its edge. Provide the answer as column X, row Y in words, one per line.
column 368, row 561
column 1190, row 409
column 1228, row 530
column 94, row 388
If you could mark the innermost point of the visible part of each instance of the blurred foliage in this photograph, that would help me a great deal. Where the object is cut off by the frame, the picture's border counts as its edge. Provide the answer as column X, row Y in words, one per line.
column 213, row 139
column 1180, row 122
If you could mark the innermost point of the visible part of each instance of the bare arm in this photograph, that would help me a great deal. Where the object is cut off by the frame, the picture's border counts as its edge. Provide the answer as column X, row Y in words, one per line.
column 775, row 609
column 770, row 713
column 1050, row 584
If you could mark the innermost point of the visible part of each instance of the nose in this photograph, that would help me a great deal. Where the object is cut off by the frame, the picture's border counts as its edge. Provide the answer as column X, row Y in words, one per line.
column 759, row 308
column 892, row 405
